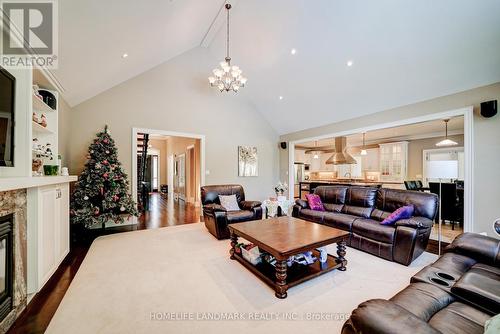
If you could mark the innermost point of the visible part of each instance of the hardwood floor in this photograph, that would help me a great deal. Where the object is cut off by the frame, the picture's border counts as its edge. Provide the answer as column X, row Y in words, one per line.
column 163, row 212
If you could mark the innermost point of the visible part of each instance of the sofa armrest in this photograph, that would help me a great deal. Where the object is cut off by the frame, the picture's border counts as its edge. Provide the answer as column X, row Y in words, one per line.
column 249, row 205
column 416, row 222
column 213, row 208
column 384, row 316
column 302, row 203
column 479, row 247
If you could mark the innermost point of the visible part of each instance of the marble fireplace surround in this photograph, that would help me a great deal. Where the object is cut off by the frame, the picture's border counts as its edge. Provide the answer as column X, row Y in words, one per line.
column 14, row 202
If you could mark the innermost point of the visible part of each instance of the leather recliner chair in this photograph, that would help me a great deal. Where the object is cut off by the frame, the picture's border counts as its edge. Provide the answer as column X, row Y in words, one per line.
column 217, row 218
column 456, row 294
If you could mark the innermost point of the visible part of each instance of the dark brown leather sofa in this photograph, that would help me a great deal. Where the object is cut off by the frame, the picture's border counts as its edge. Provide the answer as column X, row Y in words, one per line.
column 459, row 303
column 359, row 210
column 217, row 218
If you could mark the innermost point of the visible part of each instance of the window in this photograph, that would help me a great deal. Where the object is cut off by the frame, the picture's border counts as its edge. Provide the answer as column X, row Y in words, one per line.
column 154, row 172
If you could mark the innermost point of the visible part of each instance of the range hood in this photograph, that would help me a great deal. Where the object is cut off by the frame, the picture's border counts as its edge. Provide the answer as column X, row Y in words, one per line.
column 341, row 157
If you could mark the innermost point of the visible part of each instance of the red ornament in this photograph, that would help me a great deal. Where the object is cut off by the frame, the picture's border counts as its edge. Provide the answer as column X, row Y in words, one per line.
column 105, row 141
column 96, row 211
column 105, row 175
column 105, row 162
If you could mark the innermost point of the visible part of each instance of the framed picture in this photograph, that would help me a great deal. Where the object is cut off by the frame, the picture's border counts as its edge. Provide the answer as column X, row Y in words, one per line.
column 248, row 163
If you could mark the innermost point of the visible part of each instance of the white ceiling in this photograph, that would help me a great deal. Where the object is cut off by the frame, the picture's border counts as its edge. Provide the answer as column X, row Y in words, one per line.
column 430, row 129
column 94, row 34
column 404, row 51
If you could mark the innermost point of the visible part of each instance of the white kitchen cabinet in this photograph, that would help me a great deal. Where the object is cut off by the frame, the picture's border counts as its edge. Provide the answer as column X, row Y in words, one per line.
column 48, row 232
column 393, row 161
column 371, row 162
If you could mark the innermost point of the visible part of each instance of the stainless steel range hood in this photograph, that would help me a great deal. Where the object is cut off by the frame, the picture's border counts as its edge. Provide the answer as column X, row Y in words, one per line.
column 341, row 157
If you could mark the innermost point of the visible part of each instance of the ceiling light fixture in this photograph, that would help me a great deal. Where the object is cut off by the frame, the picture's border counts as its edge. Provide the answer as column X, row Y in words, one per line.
column 125, row 55
column 281, row 97
column 363, row 150
column 227, row 77
column 316, row 155
column 293, row 51
column 446, row 141
column 350, row 63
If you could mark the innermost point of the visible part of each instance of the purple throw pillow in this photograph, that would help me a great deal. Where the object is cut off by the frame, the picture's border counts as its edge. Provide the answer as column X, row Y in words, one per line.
column 403, row 212
column 315, row 202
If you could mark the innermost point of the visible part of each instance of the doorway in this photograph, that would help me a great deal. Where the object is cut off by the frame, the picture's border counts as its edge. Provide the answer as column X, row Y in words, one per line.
column 173, row 176
column 396, row 172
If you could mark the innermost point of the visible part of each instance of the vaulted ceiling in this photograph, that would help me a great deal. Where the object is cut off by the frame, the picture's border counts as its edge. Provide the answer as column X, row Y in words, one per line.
column 403, row 51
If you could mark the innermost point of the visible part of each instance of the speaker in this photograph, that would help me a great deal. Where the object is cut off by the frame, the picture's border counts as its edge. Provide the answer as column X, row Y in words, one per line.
column 283, row 145
column 489, row 109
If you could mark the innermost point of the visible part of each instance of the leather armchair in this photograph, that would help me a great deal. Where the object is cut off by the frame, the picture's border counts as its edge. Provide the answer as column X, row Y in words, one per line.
column 217, row 218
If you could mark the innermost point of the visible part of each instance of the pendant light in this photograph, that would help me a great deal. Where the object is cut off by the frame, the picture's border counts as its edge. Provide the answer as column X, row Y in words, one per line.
column 446, row 141
column 316, row 155
column 363, row 150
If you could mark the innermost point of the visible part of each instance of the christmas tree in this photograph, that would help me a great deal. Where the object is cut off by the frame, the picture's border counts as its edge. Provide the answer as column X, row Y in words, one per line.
column 101, row 193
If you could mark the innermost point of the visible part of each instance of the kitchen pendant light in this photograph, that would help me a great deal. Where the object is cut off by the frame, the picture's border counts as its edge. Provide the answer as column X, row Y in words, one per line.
column 316, row 155
column 363, row 150
column 227, row 77
column 446, row 141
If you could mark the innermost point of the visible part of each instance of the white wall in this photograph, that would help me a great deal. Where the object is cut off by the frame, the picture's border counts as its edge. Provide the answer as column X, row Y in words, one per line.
column 175, row 96
column 486, row 144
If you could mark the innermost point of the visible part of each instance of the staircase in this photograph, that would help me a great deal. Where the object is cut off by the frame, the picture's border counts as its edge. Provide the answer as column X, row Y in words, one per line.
column 143, row 186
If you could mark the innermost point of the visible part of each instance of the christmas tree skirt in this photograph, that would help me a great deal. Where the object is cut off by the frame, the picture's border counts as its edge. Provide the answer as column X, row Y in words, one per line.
column 126, row 221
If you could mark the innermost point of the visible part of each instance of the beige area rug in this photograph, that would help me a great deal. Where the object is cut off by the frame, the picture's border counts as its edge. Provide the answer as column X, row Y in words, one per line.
column 180, row 280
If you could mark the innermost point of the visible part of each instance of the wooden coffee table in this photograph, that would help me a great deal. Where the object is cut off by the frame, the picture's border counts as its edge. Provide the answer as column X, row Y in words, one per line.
column 283, row 237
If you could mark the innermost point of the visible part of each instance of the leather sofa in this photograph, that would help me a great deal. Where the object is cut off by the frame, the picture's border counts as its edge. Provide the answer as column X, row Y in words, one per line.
column 217, row 218
column 460, row 303
column 360, row 210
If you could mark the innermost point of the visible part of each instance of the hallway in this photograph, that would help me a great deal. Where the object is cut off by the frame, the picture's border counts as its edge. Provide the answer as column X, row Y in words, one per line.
column 165, row 211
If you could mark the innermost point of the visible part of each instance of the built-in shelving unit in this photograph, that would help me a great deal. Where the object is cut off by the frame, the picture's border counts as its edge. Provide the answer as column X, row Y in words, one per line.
column 49, row 134
column 41, row 106
column 39, row 129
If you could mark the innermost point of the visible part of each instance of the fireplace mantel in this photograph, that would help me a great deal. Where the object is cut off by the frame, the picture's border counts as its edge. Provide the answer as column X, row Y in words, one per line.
column 13, row 183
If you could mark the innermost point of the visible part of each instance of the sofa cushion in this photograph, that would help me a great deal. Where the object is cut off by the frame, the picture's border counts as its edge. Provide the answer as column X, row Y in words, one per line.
column 388, row 200
column 403, row 212
column 314, row 202
column 339, row 220
column 360, row 201
column 479, row 247
column 459, row 318
column 311, row 215
column 371, row 229
column 332, row 194
column 333, row 207
column 422, row 299
column 481, row 287
column 239, row 216
column 229, row 202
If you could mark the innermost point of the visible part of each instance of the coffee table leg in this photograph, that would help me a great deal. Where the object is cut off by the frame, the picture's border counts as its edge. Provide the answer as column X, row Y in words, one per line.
column 341, row 255
column 281, row 286
column 234, row 242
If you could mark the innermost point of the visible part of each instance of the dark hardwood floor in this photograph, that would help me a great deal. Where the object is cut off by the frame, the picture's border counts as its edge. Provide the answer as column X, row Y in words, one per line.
column 163, row 212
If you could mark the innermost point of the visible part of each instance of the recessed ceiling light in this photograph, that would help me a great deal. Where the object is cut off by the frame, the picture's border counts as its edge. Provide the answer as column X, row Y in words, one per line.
column 293, row 51
column 125, row 55
column 281, row 97
column 350, row 63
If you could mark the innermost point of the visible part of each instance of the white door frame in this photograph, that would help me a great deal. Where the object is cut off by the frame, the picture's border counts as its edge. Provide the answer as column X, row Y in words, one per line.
column 467, row 112
column 135, row 131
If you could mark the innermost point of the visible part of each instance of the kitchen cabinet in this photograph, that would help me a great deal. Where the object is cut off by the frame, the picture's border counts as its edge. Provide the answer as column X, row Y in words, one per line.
column 393, row 161
column 371, row 162
column 48, row 237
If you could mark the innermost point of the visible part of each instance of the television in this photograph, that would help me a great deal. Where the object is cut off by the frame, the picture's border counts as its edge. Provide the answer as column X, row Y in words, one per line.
column 7, row 97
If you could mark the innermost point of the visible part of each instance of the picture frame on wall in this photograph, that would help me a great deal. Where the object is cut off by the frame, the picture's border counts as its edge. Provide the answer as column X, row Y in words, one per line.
column 248, row 161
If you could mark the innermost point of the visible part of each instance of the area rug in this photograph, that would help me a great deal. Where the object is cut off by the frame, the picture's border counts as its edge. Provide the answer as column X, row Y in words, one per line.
column 180, row 280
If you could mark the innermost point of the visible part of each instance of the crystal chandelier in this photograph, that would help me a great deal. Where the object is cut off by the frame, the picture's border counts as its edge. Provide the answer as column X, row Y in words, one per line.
column 227, row 77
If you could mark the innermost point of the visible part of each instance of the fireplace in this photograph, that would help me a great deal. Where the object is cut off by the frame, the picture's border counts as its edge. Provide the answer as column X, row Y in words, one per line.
column 6, row 264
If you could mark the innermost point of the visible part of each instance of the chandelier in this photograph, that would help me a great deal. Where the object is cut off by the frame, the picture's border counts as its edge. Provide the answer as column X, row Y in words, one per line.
column 227, row 77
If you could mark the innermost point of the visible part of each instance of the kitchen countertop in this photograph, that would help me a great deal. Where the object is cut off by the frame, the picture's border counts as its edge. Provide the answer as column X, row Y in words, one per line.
column 352, row 181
